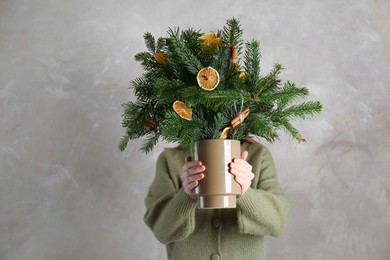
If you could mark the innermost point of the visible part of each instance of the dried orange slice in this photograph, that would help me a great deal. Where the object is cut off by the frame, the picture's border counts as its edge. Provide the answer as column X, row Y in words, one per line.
column 225, row 133
column 243, row 76
column 160, row 58
column 210, row 41
column 208, row 78
column 182, row 110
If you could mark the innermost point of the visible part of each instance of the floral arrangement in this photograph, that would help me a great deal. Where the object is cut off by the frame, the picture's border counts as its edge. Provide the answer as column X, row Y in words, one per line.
column 200, row 85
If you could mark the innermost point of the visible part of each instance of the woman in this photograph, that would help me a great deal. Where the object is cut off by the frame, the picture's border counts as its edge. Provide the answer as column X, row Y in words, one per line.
column 191, row 233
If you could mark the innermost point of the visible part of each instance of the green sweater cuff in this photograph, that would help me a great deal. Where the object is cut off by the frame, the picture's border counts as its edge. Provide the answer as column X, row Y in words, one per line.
column 247, row 200
column 185, row 202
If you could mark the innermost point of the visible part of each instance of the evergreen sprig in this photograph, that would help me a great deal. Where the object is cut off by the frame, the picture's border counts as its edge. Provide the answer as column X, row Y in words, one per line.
column 171, row 65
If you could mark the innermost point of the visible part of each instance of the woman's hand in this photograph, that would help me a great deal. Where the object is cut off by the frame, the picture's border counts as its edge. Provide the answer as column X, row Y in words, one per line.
column 192, row 173
column 242, row 171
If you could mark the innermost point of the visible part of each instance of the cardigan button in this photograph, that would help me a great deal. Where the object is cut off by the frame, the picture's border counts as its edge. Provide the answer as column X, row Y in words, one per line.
column 216, row 223
column 215, row 257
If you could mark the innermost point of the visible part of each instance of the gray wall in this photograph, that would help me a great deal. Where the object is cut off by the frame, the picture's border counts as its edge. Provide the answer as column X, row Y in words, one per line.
column 66, row 192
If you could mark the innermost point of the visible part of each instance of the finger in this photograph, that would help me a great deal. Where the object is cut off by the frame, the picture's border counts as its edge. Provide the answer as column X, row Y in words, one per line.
column 237, row 173
column 196, row 168
column 190, row 188
column 240, row 163
column 196, row 177
column 244, row 185
column 242, row 173
column 191, row 164
column 189, row 185
column 191, row 182
column 242, row 182
column 244, row 155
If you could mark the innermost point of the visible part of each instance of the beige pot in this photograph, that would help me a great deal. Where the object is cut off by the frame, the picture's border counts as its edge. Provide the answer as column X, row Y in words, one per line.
column 218, row 189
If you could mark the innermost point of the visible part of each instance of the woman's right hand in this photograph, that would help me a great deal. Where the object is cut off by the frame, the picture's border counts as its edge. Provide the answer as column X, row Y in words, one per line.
column 192, row 173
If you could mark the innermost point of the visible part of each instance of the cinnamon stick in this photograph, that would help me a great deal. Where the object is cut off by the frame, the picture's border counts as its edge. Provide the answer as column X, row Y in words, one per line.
column 233, row 55
column 240, row 118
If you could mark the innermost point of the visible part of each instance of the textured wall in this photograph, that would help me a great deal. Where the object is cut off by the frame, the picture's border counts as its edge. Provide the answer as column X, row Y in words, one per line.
column 67, row 193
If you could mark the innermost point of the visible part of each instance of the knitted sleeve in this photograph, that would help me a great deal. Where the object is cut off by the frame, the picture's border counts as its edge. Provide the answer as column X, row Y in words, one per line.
column 170, row 212
column 263, row 209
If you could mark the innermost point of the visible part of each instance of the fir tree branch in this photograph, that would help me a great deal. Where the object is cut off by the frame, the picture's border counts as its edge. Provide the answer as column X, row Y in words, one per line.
column 142, row 88
column 167, row 90
column 260, row 125
column 174, row 32
column 305, row 110
column 123, row 143
column 183, row 55
column 252, row 60
column 150, row 142
column 191, row 39
column 232, row 33
column 287, row 126
column 147, row 60
column 160, row 44
column 276, row 71
column 285, row 95
column 150, row 42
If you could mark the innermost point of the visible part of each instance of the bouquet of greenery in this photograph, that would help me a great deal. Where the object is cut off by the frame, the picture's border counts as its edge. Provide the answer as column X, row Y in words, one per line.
column 208, row 86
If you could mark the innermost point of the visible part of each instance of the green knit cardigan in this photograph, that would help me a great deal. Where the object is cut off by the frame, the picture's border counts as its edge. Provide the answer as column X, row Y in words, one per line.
column 236, row 234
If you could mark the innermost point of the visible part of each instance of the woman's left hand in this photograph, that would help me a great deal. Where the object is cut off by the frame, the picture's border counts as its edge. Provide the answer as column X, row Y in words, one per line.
column 242, row 171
